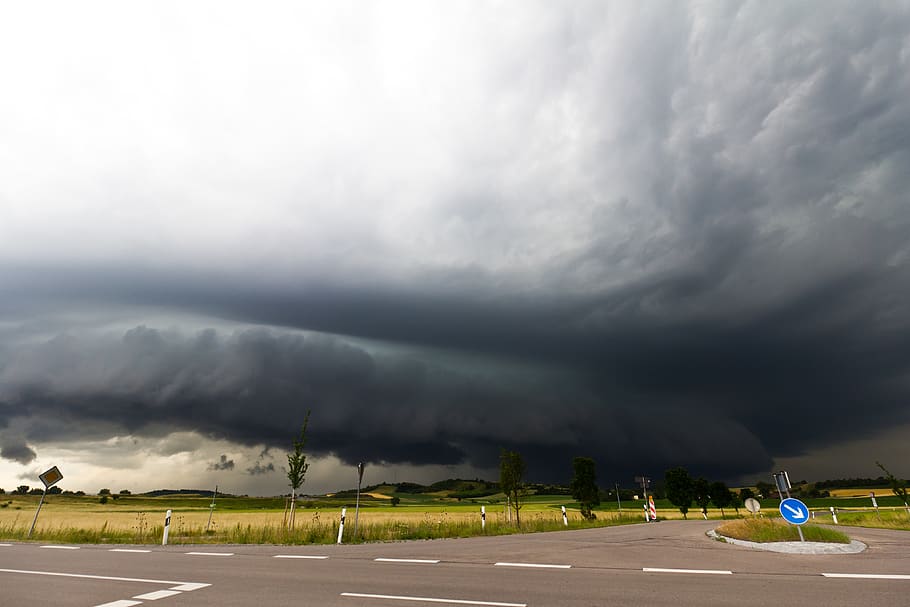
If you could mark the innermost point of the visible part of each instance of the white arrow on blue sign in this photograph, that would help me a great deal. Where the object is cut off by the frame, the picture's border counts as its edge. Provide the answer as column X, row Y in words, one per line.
column 794, row 511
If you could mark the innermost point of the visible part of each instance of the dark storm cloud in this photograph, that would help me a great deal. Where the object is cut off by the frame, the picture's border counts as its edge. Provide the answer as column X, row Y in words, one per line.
column 688, row 245
column 259, row 468
column 17, row 451
column 222, row 464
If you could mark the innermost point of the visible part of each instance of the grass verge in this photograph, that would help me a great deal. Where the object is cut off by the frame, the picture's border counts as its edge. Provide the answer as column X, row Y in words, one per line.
column 770, row 530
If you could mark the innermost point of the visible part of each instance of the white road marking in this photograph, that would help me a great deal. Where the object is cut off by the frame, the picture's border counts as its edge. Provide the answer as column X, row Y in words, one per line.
column 108, row 577
column 537, row 565
column 190, row 586
column 128, row 550
column 158, row 594
column 429, row 600
column 869, row 576
column 6, row 545
column 211, row 553
column 702, row 571
column 123, row 603
column 299, row 556
column 62, row 547
column 423, row 561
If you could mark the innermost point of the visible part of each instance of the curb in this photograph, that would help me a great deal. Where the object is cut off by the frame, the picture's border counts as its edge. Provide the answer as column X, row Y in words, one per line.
column 854, row 547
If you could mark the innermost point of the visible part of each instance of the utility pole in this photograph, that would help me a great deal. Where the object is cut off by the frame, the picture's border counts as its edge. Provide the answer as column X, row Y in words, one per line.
column 618, row 501
column 357, row 506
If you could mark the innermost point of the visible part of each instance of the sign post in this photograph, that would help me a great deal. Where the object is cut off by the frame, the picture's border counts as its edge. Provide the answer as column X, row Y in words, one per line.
column 794, row 511
column 49, row 478
column 211, row 509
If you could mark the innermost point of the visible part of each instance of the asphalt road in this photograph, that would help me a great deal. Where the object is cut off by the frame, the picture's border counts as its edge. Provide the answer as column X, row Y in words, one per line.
column 667, row 563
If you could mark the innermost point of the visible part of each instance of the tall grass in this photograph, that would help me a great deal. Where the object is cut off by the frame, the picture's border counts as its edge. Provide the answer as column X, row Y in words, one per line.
column 433, row 525
column 886, row 519
column 763, row 530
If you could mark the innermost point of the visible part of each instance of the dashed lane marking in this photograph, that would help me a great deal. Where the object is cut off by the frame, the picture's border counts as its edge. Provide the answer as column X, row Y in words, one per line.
column 868, row 576
column 129, row 550
column 421, row 561
column 423, row 599
column 122, row 603
column 299, row 556
column 534, row 565
column 62, row 547
column 210, row 553
column 158, row 594
column 700, row 571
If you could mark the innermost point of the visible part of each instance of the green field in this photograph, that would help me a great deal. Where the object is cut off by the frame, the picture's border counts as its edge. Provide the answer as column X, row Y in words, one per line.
column 419, row 515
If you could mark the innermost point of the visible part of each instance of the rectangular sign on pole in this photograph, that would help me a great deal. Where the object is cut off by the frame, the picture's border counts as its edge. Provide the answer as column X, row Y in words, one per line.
column 51, row 477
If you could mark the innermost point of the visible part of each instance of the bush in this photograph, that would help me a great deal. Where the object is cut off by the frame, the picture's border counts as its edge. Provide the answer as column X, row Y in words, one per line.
column 102, row 499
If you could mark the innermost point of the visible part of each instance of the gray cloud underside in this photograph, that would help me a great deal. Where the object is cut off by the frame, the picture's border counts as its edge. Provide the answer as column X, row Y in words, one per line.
column 699, row 257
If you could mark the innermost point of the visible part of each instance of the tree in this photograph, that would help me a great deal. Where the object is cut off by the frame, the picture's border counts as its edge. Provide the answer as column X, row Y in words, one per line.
column 297, row 467
column 721, row 496
column 702, row 491
column 765, row 489
column 396, row 500
column 898, row 487
column 125, row 492
column 22, row 490
column 104, row 492
column 584, row 486
column 679, row 489
column 511, row 472
column 746, row 493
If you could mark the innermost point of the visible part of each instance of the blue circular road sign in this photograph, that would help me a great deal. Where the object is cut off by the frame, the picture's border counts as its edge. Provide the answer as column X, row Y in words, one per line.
column 794, row 511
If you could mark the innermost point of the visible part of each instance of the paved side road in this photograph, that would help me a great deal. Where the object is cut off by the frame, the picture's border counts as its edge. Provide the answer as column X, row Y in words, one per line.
column 667, row 563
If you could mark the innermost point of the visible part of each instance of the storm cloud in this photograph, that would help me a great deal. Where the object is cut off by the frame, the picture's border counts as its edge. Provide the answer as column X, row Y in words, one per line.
column 655, row 235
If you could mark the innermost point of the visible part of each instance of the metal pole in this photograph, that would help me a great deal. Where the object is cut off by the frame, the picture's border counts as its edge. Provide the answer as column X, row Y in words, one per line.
column 618, row 501
column 357, row 505
column 40, row 503
column 211, row 509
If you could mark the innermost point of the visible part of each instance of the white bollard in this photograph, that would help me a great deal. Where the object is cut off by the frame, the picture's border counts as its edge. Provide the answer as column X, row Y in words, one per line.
column 565, row 519
column 483, row 518
column 167, row 527
column 341, row 526
column 647, row 514
column 834, row 514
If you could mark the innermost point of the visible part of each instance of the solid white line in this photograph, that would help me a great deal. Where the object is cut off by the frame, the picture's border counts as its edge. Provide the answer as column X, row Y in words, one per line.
column 190, row 586
column 703, row 571
column 299, row 556
column 128, row 550
column 424, row 561
column 6, row 545
column 538, row 565
column 93, row 577
column 429, row 600
column 123, row 603
column 211, row 553
column 158, row 594
column 869, row 576
column 62, row 547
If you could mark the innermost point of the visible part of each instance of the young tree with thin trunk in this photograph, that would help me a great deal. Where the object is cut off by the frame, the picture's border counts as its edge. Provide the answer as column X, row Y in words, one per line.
column 297, row 467
column 702, row 492
column 721, row 496
column 511, row 473
column 584, row 486
column 898, row 487
column 678, row 485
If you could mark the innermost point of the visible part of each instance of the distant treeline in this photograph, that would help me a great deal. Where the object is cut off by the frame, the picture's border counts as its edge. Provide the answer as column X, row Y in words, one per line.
column 850, row 483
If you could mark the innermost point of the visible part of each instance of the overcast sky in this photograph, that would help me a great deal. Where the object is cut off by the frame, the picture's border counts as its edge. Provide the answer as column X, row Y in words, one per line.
column 653, row 233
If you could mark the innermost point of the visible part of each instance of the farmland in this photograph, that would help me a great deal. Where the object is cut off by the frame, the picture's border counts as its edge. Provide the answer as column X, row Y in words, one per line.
column 417, row 515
